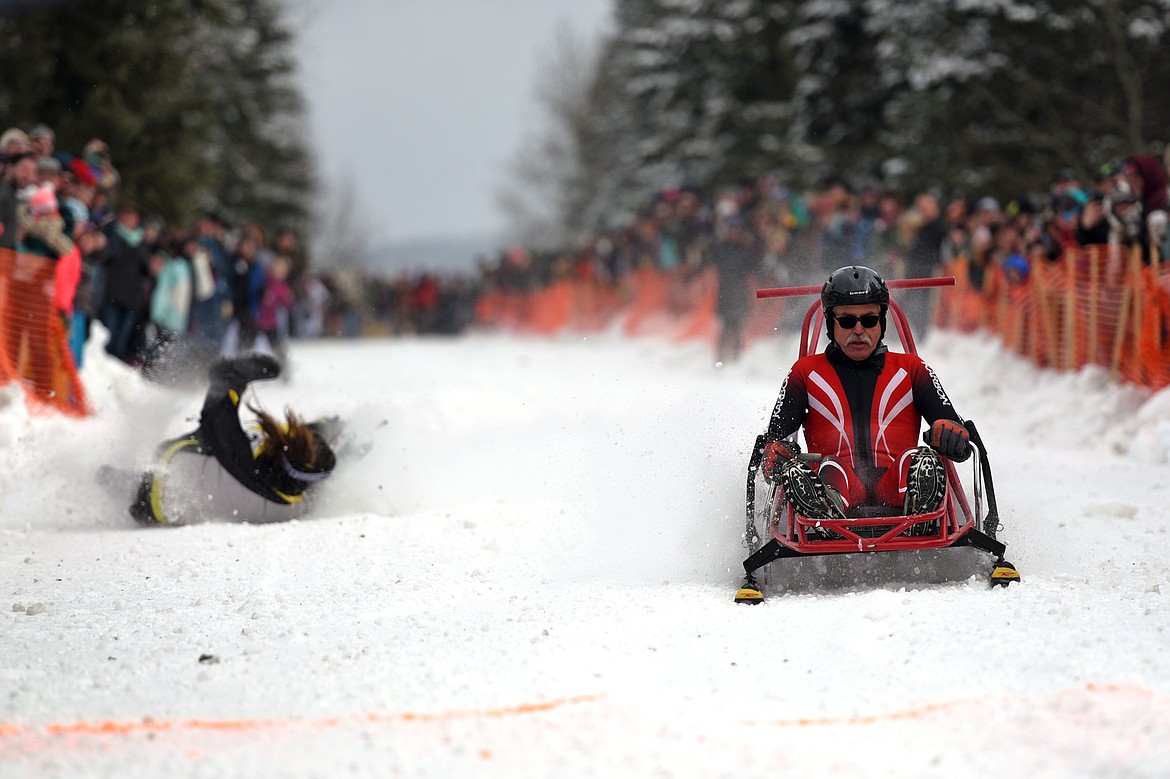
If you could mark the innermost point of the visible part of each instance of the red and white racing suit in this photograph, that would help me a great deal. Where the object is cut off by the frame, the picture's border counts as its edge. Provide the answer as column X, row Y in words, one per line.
column 863, row 416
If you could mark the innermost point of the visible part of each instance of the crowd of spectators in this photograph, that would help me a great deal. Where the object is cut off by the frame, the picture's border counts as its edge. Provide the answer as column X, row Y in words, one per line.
column 762, row 233
column 419, row 303
column 171, row 295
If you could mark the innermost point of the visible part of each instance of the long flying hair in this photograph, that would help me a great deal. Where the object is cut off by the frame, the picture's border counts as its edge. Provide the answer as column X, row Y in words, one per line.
column 294, row 442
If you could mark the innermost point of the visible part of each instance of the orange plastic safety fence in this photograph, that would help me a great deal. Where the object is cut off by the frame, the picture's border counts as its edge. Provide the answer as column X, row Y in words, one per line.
column 1152, row 363
column 694, row 307
column 763, row 318
column 1095, row 305
column 678, row 305
column 34, row 349
column 649, row 303
column 962, row 307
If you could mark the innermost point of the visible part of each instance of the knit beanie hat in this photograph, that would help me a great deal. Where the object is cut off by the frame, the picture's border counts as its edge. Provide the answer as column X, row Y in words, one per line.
column 43, row 201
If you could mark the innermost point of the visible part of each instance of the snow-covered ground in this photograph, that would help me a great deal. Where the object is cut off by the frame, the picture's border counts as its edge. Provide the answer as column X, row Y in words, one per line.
column 530, row 574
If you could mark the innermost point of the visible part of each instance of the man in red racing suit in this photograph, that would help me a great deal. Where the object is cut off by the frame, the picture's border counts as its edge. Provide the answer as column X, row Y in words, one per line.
column 861, row 407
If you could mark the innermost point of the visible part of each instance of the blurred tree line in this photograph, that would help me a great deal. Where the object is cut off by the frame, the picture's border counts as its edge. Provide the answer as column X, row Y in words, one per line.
column 979, row 96
column 196, row 99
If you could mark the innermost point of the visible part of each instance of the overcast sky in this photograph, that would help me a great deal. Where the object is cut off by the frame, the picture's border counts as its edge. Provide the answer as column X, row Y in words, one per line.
column 422, row 103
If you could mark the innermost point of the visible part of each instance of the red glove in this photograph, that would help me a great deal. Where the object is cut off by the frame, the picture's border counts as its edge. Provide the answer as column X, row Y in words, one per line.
column 776, row 453
column 950, row 439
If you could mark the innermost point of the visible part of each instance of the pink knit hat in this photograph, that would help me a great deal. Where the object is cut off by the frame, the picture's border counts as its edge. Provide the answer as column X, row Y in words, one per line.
column 43, row 201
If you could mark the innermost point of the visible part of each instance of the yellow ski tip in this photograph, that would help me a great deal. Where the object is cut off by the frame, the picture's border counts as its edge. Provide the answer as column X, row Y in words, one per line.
column 748, row 594
column 1004, row 574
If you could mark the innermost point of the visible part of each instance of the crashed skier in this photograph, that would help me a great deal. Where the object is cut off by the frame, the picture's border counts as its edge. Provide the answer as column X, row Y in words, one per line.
column 221, row 472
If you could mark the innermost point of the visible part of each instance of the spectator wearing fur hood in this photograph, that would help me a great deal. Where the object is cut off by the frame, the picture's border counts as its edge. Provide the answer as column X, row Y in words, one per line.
column 43, row 234
column 1147, row 180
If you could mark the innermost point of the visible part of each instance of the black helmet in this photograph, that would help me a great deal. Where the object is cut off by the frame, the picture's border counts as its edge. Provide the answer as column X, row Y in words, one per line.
column 852, row 285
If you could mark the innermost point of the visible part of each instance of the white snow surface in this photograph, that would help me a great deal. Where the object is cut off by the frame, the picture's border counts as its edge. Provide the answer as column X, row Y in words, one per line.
column 530, row 574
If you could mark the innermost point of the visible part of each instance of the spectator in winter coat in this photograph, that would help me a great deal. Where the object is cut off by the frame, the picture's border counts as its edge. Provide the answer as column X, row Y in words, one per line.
column 127, row 272
column 92, row 243
column 1008, row 254
column 14, row 141
column 1093, row 224
column 1148, row 182
column 311, row 307
column 40, row 288
column 72, row 201
column 97, row 155
column 7, row 207
column 212, row 278
column 43, row 234
column 247, row 285
column 276, row 305
column 219, row 472
column 41, row 141
column 20, row 174
column 837, row 219
column 736, row 258
column 170, row 301
column 287, row 246
column 922, row 257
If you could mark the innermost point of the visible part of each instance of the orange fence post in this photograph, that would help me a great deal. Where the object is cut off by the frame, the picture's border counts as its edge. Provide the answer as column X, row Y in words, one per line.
column 1094, row 307
column 1068, row 331
column 1047, row 294
column 1156, row 330
column 1119, row 338
column 1135, row 280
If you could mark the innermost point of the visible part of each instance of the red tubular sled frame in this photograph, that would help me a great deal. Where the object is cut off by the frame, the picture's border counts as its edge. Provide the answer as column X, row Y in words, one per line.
column 930, row 281
column 955, row 523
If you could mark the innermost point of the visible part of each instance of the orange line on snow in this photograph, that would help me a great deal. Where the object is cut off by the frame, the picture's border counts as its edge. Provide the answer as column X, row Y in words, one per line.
column 509, row 711
column 935, row 708
column 10, row 731
column 124, row 727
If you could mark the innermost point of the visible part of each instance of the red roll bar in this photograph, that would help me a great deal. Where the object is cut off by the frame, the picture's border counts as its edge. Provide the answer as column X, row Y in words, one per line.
column 784, row 292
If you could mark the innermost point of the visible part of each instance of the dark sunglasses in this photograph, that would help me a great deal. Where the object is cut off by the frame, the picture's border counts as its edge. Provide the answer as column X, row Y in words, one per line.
column 848, row 321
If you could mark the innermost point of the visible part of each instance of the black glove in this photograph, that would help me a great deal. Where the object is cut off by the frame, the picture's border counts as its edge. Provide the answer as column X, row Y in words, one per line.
column 776, row 453
column 950, row 439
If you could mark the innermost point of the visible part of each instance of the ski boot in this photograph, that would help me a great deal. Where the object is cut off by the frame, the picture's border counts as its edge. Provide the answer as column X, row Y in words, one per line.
column 239, row 372
column 926, row 482
column 142, row 509
column 1003, row 574
column 810, row 496
column 750, row 591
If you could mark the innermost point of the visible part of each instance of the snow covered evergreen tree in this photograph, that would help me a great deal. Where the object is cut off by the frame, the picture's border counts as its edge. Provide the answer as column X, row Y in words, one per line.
column 999, row 95
column 976, row 96
column 704, row 84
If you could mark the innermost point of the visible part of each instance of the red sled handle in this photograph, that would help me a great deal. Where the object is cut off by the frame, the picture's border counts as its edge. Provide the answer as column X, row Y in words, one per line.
column 786, row 292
